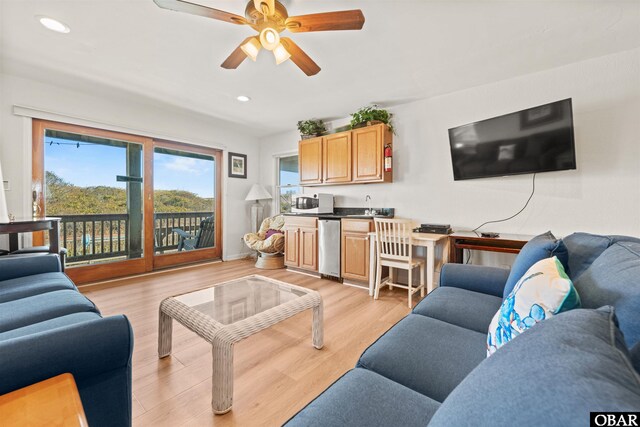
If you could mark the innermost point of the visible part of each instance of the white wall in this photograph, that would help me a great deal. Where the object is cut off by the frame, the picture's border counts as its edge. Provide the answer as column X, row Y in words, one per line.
column 137, row 115
column 601, row 196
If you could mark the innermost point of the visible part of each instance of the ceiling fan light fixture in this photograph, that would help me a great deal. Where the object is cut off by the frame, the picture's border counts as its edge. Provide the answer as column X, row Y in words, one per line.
column 269, row 38
column 281, row 54
column 251, row 48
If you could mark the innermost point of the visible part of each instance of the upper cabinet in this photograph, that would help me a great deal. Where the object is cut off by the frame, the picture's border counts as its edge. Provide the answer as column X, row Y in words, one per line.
column 310, row 161
column 352, row 157
column 337, row 158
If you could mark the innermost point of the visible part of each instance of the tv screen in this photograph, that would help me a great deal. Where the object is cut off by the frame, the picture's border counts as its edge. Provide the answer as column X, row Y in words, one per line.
column 539, row 139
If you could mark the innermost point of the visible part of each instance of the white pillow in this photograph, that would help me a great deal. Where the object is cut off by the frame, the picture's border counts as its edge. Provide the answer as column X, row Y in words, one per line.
column 543, row 291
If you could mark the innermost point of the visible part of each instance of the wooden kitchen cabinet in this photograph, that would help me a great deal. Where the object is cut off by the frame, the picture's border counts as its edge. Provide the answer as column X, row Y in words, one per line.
column 291, row 242
column 355, row 249
column 301, row 243
column 336, row 157
column 308, row 249
column 352, row 157
column 368, row 153
column 310, row 161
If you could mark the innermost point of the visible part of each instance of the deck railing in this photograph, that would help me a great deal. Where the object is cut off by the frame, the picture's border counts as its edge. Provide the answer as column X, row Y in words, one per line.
column 106, row 236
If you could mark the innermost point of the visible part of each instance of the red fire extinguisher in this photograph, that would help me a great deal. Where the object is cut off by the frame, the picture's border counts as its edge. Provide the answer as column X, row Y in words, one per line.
column 387, row 158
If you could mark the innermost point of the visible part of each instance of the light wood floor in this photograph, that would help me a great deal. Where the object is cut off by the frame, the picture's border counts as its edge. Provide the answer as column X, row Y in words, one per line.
column 277, row 371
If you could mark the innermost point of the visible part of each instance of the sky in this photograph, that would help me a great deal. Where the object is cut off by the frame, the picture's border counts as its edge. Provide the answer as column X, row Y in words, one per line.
column 93, row 165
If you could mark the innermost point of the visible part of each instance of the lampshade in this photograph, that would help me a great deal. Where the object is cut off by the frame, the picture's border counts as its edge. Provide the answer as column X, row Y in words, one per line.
column 4, row 213
column 251, row 48
column 281, row 54
column 258, row 192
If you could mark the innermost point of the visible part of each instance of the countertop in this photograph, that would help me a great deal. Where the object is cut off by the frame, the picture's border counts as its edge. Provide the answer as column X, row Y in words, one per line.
column 355, row 213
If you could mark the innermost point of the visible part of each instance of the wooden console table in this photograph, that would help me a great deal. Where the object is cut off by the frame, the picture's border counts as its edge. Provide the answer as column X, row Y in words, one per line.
column 30, row 225
column 505, row 243
column 52, row 402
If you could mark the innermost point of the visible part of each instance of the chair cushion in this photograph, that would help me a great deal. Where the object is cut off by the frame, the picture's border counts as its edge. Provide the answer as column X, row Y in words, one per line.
column 555, row 373
column 364, row 398
column 47, row 325
column 614, row 279
column 468, row 309
column 425, row 354
column 38, row 308
column 543, row 291
column 27, row 286
column 540, row 247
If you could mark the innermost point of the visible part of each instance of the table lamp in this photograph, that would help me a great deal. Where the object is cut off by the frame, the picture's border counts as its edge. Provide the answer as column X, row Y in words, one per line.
column 4, row 213
column 257, row 193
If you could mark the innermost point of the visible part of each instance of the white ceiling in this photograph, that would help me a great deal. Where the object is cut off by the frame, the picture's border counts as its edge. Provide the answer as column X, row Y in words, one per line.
column 407, row 50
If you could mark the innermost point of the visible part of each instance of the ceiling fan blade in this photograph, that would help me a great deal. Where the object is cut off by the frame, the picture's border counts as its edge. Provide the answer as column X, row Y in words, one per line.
column 301, row 59
column 236, row 57
column 329, row 21
column 196, row 9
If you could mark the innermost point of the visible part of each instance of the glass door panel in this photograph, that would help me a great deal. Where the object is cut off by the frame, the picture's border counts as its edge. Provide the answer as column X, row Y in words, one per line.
column 95, row 185
column 185, row 202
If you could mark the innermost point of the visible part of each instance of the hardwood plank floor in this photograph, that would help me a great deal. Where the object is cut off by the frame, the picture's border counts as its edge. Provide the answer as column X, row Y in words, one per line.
column 277, row 371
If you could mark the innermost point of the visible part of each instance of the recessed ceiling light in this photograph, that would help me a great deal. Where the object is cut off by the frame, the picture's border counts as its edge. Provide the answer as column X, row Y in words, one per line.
column 53, row 24
column 243, row 98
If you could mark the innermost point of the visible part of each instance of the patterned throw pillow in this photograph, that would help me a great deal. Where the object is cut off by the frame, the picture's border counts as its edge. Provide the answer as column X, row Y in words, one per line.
column 543, row 291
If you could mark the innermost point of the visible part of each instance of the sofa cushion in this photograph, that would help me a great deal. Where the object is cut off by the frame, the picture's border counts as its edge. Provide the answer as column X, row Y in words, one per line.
column 540, row 247
column 634, row 353
column 614, row 279
column 468, row 309
column 38, row 308
column 425, row 354
column 27, row 286
column 583, row 249
column 554, row 373
column 47, row 325
column 544, row 291
column 364, row 398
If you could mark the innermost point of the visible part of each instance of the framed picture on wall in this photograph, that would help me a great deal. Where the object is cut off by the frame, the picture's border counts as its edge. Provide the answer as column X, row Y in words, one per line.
column 237, row 165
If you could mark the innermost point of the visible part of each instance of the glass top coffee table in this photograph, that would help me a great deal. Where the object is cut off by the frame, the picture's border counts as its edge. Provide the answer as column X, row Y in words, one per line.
column 228, row 312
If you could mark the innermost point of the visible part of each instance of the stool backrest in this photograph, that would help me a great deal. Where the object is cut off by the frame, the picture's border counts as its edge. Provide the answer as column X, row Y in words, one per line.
column 393, row 239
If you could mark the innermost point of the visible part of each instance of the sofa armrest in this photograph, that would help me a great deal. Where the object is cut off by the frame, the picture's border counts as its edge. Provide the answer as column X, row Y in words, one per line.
column 477, row 278
column 13, row 266
column 85, row 350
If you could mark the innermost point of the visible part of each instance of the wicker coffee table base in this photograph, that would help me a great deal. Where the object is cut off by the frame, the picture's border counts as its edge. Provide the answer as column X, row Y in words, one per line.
column 223, row 337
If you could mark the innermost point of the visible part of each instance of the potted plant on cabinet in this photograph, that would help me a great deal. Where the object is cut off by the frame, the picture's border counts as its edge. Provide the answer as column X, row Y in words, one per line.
column 311, row 128
column 367, row 116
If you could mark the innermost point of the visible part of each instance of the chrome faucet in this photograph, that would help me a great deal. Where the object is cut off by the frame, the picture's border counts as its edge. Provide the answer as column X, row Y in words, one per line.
column 368, row 211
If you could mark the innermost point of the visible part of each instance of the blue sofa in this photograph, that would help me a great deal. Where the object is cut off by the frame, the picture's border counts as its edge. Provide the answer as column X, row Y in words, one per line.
column 48, row 328
column 431, row 367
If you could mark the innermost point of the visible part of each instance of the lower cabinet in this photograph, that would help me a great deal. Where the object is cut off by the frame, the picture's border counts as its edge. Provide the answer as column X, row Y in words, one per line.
column 301, row 243
column 355, row 249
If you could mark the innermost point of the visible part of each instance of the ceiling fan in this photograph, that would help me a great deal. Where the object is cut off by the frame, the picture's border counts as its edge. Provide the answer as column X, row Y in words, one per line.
column 270, row 18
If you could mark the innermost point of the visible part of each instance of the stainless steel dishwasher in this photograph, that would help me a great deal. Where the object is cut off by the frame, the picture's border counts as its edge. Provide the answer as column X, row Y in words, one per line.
column 329, row 247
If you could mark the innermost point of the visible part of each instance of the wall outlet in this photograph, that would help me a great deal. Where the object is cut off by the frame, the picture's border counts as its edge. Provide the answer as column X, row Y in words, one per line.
column 6, row 185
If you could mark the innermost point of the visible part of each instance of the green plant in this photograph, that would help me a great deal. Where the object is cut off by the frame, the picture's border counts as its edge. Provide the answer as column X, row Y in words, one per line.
column 311, row 127
column 367, row 114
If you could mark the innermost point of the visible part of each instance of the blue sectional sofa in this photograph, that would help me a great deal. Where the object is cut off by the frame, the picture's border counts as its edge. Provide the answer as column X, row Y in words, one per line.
column 431, row 367
column 48, row 328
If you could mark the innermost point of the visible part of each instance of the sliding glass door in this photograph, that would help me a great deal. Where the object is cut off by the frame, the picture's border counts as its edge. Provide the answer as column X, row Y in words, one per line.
column 128, row 204
column 186, row 204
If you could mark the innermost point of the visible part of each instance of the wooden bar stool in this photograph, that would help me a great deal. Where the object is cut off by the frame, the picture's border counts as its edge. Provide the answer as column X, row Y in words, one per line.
column 394, row 249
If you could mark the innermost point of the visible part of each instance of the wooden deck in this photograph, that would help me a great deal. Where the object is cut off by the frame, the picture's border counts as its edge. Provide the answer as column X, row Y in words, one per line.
column 277, row 371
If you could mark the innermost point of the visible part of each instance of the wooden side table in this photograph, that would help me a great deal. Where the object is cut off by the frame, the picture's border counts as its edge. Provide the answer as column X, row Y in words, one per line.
column 52, row 402
column 52, row 225
column 505, row 243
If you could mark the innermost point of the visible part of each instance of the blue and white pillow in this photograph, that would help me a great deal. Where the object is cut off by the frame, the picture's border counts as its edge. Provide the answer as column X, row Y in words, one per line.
column 543, row 291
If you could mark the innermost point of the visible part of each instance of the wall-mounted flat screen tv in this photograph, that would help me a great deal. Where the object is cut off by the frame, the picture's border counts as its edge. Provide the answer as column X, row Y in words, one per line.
column 539, row 139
